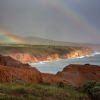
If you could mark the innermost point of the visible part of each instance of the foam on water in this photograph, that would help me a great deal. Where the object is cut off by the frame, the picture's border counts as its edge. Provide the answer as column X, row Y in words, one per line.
column 41, row 62
column 55, row 66
column 79, row 57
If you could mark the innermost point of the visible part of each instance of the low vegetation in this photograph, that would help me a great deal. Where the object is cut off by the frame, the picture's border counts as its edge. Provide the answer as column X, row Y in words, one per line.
column 21, row 90
column 37, row 49
column 93, row 89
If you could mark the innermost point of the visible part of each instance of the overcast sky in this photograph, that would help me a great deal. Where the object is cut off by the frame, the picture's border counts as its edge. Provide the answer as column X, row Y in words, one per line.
column 63, row 20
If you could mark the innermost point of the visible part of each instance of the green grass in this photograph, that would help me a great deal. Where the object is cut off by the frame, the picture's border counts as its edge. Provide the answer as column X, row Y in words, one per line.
column 37, row 50
column 21, row 90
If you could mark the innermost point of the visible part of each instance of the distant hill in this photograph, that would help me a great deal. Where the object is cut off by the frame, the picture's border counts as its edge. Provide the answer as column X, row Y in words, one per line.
column 41, row 41
column 94, row 47
column 34, row 41
column 15, row 39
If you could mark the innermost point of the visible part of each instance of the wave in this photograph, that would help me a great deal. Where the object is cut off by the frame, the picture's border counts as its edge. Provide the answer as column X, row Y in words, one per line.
column 81, row 57
column 47, row 61
column 33, row 63
column 95, row 53
column 41, row 62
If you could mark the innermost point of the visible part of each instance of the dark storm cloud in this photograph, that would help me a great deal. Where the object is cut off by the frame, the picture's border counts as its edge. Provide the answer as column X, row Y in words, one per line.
column 42, row 19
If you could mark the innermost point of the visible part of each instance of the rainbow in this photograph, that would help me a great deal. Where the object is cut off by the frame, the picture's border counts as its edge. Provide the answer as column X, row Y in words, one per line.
column 6, row 37
column 63, row 7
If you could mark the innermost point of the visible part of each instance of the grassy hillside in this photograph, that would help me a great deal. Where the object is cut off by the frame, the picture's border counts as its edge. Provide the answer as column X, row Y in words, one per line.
column 21, row 90
column 37, row 49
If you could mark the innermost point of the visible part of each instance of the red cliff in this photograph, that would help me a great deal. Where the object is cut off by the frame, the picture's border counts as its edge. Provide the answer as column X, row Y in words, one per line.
column 11, row 69
column 26, row 57
column 78, row 74
column 71, row 75
column 8, row 61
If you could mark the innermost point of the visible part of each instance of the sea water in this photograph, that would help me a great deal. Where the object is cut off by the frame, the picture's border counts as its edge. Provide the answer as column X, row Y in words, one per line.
column 54, row 66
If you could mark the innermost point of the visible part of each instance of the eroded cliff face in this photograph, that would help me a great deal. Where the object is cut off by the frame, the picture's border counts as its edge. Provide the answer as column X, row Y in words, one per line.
column 11, row 69
column 8, row 74
column 79, row 53
column 79, row 74
column 26, row 57
column 73, row 74
column 9, row 61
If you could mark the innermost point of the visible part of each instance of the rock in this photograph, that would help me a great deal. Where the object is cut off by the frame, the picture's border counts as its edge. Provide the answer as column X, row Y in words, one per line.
column 12, row 69
column 8, row 61
column 79, row 74
column 73, row 74
column 9, row 73
column 27, row 57
column 53, row 79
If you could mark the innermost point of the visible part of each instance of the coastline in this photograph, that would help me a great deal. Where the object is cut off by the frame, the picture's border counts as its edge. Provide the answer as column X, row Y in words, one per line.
column 71, row 75
column 44, row 53
column 93, row 54
column 54, row 66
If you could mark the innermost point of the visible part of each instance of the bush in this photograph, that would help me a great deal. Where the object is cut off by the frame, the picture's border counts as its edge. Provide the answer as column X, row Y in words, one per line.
column 60, row 84
column 88, row 86
column 18, row 81
column 46, row 83
column 93, row 89
column 20, row 90
column 97, row 84
column 96, row 96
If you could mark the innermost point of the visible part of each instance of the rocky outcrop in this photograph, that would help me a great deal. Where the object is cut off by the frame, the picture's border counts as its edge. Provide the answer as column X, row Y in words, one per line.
column 78, row 74
column 12, row 69
column 8, row 61
column 71, row 75
column 26, row 57
column 9, row 73
column 79, row 53
column 54, row 79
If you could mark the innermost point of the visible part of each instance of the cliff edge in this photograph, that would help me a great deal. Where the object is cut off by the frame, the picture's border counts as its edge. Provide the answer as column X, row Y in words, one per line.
column 11, row 69
column 43, row 53
column 79, row 74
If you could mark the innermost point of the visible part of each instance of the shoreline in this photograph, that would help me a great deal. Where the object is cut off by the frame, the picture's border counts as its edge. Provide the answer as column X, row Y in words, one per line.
column 44, row 54
column 93, row 54
column 52, row 67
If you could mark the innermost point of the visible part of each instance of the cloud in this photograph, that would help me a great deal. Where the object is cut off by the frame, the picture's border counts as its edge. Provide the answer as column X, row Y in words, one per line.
column 52, row 19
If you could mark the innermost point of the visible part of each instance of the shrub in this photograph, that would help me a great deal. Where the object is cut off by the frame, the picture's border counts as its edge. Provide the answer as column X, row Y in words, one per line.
column 20, row 90
column 93, row 89
column 46, row 83
column 88, row 86
column 97, row 84
column 95, row 93
column 96, row 96
column 18, row 81
column 60, row 84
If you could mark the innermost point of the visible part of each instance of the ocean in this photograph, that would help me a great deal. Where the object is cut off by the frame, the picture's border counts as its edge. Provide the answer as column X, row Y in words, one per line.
column 53, row 67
